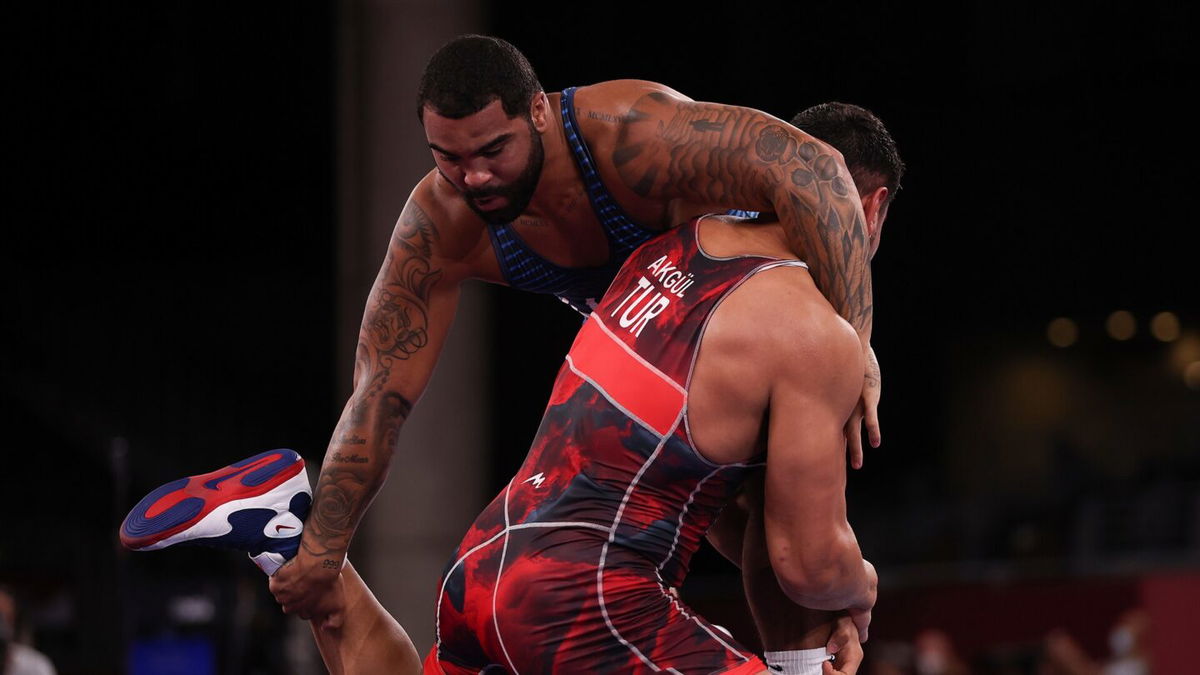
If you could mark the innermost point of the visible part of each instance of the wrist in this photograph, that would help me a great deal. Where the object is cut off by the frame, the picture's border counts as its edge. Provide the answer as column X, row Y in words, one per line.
column 315, row 558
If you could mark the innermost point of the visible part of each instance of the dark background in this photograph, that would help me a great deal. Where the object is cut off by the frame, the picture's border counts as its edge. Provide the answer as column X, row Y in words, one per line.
column 168, row 269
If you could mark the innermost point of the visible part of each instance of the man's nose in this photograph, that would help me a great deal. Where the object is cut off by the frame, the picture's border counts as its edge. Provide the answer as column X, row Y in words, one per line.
column 477, row 176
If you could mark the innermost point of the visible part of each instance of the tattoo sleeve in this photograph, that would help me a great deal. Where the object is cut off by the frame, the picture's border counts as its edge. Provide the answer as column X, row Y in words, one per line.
column 743, row 158
column 395, row 328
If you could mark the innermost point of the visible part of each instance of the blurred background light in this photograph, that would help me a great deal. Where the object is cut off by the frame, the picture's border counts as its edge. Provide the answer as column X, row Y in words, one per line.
column 1191, row 375
column 1185, row 351
column 192, row 609
column 1165, row 326
column 1062, row 332
column 1120, row 325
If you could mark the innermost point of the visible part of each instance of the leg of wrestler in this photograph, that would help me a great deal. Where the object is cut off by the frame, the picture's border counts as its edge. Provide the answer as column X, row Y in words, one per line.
column 258, row 505
column 369, row 640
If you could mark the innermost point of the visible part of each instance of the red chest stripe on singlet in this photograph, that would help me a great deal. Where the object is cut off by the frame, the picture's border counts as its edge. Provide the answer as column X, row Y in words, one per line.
column 625, row 378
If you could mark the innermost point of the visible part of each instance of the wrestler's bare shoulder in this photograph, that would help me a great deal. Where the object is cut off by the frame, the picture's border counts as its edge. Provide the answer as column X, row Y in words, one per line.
column 780, row 313
column 612, row 101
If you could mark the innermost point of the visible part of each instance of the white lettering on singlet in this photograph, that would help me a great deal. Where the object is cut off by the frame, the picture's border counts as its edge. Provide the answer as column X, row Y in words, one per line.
column 670, row 276
column 672, row 281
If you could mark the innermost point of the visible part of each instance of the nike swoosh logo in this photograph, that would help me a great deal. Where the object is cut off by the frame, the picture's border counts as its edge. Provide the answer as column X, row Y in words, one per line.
column 280, row 527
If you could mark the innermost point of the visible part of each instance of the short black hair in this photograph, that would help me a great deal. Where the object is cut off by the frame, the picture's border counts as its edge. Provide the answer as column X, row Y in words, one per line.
column 865, row 143
column 470, row 72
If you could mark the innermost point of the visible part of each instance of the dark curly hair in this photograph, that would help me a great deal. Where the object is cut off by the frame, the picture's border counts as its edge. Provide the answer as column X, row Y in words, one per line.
column 470, row 72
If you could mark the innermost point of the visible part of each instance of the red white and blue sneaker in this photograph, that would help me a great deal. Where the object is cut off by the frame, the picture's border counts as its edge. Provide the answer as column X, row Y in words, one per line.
column 257, row 505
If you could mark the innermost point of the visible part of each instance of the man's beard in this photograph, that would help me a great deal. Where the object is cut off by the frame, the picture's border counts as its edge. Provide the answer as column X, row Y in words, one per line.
column 517, row 194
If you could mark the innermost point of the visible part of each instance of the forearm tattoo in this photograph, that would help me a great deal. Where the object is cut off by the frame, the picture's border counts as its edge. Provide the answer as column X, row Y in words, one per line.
column 872, row 375
column 741, row 158
column 332, row 517
column 394, row 328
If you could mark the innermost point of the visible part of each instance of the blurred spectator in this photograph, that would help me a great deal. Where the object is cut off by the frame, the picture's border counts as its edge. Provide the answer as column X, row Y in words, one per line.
column 934, row 654
column 889, row 658
column 18, row 659
column 1126, row 640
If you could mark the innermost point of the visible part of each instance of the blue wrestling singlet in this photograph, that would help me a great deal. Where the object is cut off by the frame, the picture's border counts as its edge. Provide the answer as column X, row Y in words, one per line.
column 579, row 287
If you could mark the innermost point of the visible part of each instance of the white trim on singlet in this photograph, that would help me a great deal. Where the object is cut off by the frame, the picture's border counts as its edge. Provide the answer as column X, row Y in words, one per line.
column 608, row 397
column 437, row 624
column 490, row 540
column 496, row 586
column 700, row 247
column 683, row 514
column 638, row 357
column 563, row 523
column 696, row 620
column 674, row 600
column 692, row 497
column 612, row 536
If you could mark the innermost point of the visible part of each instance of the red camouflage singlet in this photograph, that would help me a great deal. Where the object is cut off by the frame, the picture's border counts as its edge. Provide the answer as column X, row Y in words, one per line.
column 567, row 570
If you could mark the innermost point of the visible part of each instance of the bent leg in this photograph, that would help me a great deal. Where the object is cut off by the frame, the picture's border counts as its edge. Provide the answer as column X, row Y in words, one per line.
column 236, row 507
column 369, row 639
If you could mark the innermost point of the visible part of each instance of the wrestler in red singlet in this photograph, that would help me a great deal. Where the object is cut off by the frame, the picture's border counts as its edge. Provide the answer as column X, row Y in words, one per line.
column 567, row 569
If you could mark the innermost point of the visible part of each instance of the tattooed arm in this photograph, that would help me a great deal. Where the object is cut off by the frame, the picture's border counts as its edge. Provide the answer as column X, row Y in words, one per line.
column 404, row 325
column 670, row 147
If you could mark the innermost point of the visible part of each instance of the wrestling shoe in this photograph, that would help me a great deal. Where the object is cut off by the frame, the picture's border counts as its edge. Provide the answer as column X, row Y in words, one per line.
column 257, row 505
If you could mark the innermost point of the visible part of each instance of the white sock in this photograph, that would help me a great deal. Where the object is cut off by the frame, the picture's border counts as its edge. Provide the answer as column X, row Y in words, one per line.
column 797, row 661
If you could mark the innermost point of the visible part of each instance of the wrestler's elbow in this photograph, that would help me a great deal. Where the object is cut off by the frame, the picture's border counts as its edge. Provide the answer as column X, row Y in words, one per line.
column 823, row 575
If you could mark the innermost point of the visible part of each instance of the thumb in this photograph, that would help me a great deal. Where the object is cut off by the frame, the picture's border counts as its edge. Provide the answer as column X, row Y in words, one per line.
column 854, row 440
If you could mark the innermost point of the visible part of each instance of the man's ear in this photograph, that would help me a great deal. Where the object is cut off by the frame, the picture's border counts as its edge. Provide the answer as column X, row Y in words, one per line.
column 539, row 109
column 875, row 209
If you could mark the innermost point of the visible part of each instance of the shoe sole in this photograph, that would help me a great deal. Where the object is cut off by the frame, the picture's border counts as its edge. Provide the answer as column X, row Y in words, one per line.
column 232, row 507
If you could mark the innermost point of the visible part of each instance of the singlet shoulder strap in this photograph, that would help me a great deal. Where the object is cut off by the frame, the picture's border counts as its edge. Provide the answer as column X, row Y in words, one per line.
column 623, row 233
